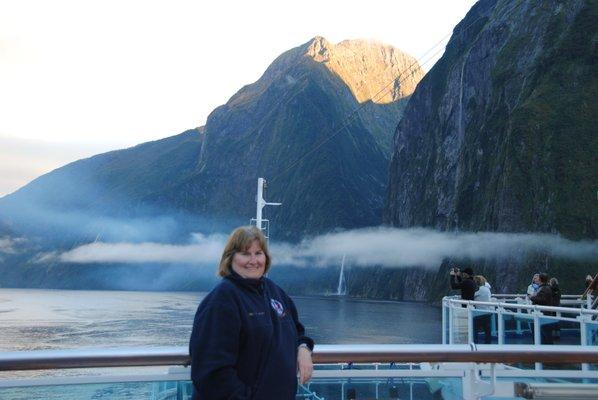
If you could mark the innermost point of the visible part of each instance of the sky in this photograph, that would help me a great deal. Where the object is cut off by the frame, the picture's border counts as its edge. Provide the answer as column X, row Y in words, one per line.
column 80, row 77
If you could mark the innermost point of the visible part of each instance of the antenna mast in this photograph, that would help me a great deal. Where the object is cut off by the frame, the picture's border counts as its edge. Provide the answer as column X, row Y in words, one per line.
column 258, row 221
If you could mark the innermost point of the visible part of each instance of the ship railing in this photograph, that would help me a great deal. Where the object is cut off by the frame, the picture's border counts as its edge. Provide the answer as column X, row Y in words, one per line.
column 518, row 323
column 567, row 300
column 468, row 371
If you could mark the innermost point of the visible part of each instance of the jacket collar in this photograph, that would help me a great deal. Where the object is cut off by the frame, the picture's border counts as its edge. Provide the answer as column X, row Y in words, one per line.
column 254, row 285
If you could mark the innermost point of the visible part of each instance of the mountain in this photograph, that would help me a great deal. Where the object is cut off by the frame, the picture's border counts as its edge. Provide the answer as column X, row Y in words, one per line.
column 501, row 134
column 317, row 125
column 291, row 127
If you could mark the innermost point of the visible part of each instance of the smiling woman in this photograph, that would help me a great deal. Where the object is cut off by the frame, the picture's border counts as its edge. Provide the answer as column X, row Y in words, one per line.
column 246, row 253
column 247, row 341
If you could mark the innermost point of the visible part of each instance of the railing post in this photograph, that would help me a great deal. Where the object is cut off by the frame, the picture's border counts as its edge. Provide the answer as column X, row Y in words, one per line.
column 444, row 311
column 537, row 336
column 501, row 326
column 470, row 328
column 493, row 326
column 583, row 336
column 518, row 330
column 451, row 323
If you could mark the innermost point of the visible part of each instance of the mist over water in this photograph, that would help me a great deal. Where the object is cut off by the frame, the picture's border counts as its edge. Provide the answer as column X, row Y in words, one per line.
column 388, row 247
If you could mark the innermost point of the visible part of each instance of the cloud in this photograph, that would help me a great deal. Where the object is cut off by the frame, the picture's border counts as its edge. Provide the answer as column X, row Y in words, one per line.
column 203, row 249
column 428, row 248
column 388, row 247
column 8, row 245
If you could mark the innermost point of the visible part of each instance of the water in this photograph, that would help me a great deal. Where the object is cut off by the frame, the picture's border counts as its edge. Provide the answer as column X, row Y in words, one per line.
column 65, row 319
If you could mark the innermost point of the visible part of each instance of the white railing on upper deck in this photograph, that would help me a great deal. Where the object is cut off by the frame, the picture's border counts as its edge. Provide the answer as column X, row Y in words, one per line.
column 527, row 320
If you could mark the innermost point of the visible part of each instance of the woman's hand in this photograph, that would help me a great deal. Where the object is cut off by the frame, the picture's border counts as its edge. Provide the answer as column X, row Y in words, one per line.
column 305, row 366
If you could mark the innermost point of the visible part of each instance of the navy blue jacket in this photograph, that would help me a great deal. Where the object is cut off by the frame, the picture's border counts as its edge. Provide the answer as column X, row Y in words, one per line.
column 244, row 342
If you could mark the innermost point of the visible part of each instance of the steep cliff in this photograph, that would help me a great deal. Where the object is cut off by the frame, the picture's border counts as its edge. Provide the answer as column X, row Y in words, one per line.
column 501, row 133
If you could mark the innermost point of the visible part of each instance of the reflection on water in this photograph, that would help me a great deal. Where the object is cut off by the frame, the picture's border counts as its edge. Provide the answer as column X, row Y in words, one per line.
column 342, row 320
column 53, row 319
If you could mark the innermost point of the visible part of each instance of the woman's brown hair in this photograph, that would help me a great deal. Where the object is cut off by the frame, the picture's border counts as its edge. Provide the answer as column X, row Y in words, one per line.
column 240, row 240
column 480, row 280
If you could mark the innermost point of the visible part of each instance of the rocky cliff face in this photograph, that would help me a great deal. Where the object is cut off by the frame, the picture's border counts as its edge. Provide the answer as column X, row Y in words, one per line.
column 501, row 134
column 497, row 133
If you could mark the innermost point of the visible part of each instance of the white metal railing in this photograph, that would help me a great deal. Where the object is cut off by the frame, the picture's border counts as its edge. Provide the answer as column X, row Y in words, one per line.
column 571, row 300
column 480, row 370
column 458, row 319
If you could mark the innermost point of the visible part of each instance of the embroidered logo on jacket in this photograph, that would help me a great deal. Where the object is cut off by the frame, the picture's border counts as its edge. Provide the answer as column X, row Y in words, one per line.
column 277, row 306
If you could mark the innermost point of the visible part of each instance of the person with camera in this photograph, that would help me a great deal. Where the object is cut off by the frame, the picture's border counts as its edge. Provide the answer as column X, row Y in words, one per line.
column 544, row 297
column 463, row 281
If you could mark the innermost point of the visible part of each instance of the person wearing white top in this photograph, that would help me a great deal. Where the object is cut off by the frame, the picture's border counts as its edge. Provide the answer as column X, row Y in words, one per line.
column 482, row 322
column 533, row 287
column 483, row 294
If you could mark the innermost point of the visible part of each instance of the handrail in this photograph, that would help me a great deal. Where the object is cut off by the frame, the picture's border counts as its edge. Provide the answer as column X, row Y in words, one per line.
column 567, row 310
column 524, row 296
column 514, row 295
column 323, row 354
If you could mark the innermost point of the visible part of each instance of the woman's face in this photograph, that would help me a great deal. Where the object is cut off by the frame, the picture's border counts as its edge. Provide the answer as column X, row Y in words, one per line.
column 250, row 263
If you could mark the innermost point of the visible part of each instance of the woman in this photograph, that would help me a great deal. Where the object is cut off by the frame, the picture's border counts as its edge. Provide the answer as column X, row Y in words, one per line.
column 556, row 301
column 247, row 341
column 556, row 292
column 482, row 322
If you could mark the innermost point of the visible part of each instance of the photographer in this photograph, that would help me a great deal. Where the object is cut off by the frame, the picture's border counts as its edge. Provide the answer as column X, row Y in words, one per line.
column 463, row 281
column 544, row 297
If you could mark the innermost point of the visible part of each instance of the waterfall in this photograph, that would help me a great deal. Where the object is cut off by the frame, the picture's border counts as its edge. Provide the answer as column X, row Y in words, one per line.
column 341, row 290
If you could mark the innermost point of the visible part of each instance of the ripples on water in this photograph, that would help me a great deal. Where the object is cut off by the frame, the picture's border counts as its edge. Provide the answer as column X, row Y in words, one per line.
column 54, row 319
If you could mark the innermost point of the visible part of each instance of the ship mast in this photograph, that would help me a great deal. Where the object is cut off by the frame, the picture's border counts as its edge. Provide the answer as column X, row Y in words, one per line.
column 259, row 221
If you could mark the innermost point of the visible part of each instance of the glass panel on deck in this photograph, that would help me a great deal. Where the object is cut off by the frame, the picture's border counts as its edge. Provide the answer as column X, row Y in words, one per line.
column 592, row 333
column 484, row 323
column 109, row 391
column 518, row 328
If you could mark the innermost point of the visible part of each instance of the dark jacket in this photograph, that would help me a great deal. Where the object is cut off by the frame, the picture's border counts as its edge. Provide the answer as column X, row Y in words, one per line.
column 244, row 342
column 468, row 286
column 543, row 297
column 556, row 295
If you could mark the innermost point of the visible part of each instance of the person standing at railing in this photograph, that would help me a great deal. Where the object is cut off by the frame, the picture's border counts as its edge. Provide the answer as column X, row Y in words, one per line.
column 247, row 341
column 463, row 281
column 482, row 322
column 544, row 297
column 533, row 287
column 556, row 302
column 588, row 280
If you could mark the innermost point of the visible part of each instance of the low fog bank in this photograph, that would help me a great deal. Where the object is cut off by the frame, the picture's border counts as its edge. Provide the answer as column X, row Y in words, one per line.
column 10, row 245
column 388, row 247
column 202, row 249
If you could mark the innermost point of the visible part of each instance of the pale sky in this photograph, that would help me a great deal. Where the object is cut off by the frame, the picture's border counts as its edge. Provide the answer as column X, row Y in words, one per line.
column 80, row 77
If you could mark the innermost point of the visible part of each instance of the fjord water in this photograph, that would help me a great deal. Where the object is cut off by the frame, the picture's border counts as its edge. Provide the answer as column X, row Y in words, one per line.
column 66, row 319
